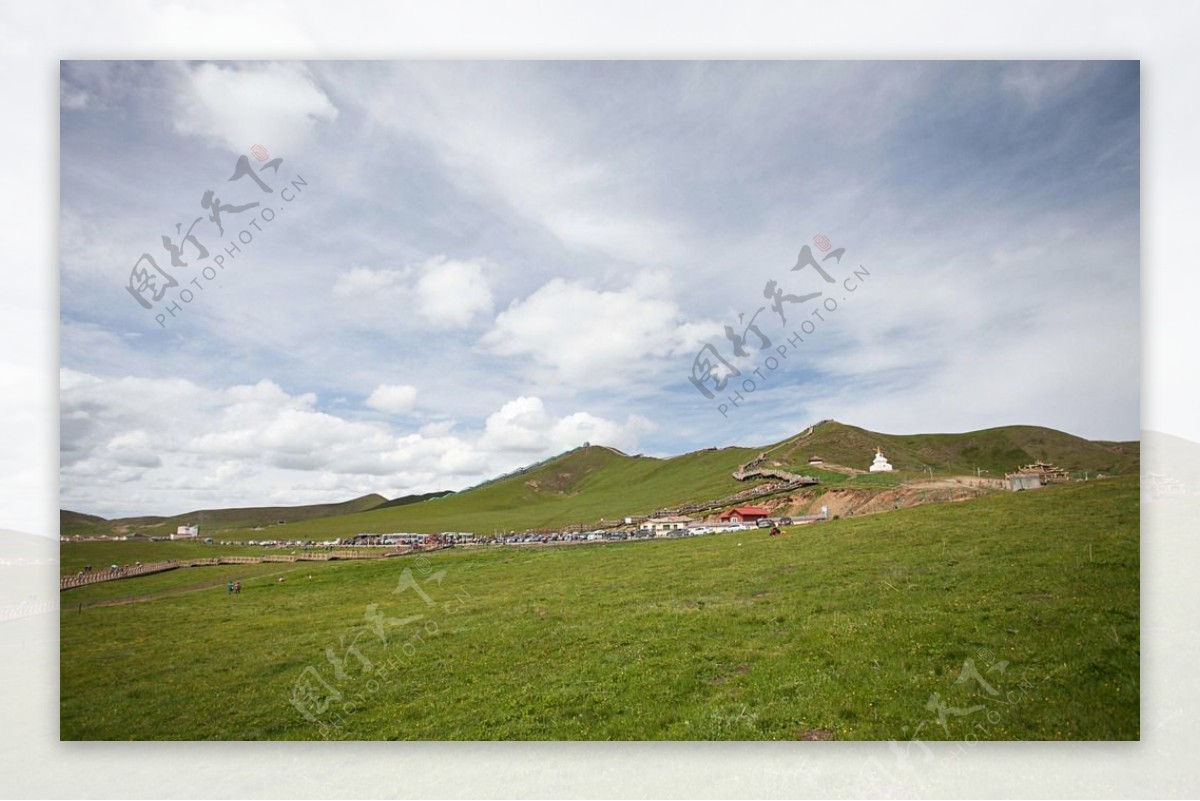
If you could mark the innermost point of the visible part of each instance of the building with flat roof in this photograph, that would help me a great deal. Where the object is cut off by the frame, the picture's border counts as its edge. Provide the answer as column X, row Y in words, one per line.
column 661, row 525
column 186, row 533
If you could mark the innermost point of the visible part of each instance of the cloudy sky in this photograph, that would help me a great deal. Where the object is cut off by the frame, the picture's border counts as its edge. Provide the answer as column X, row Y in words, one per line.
column 454, row 269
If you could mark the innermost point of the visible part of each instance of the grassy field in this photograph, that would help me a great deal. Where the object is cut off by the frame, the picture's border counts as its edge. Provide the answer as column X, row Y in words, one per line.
column 146, row 589
column 74, row 556
column 1014, row 616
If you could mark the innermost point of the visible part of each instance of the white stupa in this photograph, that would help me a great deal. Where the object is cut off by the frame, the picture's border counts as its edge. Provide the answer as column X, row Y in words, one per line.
column 880, row 465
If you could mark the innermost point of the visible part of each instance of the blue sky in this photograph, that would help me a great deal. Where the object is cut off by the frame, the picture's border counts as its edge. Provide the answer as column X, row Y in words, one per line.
column 490, row 263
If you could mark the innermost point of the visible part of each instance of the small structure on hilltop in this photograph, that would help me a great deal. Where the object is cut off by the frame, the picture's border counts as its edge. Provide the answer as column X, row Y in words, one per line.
column 744, row 514
column 1036, row 474
column 815, row 461
column 186, row 533
column 1047, row 472
column 880, row 465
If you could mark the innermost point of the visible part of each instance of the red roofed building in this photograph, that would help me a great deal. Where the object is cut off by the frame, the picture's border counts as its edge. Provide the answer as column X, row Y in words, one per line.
column 744, row 514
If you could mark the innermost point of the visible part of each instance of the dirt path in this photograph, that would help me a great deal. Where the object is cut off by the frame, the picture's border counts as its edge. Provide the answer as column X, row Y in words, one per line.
column 848, row 501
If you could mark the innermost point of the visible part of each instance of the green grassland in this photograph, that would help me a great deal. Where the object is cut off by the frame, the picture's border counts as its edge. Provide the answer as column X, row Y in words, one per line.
column 182, row 581
column 852, row 629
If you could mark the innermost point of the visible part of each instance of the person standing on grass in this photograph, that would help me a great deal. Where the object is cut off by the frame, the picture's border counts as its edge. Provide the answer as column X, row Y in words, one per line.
column 230, row 589
column 237, row 588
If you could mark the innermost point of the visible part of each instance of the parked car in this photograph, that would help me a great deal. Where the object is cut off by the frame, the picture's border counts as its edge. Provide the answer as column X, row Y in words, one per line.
column 785, row 521
column 765, row 522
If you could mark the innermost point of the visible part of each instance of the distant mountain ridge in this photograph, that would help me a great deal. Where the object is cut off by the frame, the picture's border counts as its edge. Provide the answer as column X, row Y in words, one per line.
column 72, row 523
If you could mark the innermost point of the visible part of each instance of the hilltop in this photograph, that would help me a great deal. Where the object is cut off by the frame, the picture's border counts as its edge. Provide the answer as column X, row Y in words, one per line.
column 996, row 450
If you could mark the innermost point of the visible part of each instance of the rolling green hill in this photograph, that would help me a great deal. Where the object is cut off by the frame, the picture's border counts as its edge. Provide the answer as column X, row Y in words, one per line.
column 997, row 450
column 596, row 483
column 589, row 484
column 77, row 524
column 407, row 499
column 582, row 486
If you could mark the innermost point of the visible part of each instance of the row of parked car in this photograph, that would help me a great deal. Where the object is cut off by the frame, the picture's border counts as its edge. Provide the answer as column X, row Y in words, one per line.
column 639, row 534
column 565, row 536
column 767, row 522
column 278, row 543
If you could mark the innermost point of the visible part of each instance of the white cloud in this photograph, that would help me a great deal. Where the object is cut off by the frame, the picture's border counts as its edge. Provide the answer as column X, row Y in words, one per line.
column 359, row 281
column 445, row 293
column 520, row 425
column 512, row 135
column 523, row 425
column 602, row 336
column 451, row 293
column 439, row 428
column 134, row 448
column 393, row 398
column 164, row 446
column 273, row 104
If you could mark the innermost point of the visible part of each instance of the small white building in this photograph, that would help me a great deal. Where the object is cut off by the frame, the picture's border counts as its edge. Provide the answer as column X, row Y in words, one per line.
column 881, row 464
column 661, row 525
column 186, row 533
